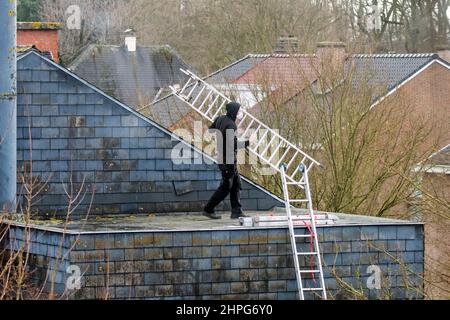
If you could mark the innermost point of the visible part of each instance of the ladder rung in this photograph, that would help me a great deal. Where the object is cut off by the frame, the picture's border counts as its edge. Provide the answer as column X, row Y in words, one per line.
column 299, row 200
column 192, row 90
column 302, row 236
column 274, row 153
column 306, row 253
column 291, row 161
column 185, row 86
column 205, row 100
column 198, row 95
column 255, row 149
column 241, row 121
column 294, row 183
column 211, row 106
column 309, row 271
column 268, row 146
column 256, row 130
column 248, row 128
column 282, row 157
column 219, row 109
column 312, row 289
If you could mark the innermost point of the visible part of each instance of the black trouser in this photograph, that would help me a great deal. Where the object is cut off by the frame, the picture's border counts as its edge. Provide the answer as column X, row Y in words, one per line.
column 231, row 184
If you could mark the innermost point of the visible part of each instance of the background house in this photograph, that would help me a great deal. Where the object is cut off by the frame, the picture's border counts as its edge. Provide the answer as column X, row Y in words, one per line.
column 132, row 73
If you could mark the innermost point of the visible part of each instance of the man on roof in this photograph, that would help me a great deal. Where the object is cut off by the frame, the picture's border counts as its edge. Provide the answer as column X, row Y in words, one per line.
column 227, row 146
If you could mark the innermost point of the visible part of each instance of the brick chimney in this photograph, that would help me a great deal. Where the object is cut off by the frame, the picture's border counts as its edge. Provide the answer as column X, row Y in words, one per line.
column 287, row 44
column 444, row 52
column 331, row 52
column 43, row 35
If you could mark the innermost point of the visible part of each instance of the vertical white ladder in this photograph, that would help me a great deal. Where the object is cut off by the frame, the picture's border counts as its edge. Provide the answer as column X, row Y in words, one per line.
column 293, row 165
column 315, row 262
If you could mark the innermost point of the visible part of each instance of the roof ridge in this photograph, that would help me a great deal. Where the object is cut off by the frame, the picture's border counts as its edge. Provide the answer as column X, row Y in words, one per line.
column 92, row 46
column 75, row 62
column 139, row 45
column 281, row 55
column 395, row 55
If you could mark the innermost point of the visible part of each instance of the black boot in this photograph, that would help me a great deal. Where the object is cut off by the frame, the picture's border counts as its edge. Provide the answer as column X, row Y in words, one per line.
column 211, row 215
column 238, row 215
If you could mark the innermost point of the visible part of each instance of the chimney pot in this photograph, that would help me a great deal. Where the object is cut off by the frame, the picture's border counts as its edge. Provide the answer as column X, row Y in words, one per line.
column 130, row 40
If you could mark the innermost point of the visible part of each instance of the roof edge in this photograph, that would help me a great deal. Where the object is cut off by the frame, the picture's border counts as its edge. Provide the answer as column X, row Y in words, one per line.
column 282, row 55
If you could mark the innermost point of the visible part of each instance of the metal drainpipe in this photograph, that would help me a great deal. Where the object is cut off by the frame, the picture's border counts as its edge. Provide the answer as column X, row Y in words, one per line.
column 8, row 106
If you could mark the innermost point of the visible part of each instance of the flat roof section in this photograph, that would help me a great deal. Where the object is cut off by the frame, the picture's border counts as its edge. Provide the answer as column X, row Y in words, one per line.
column 187, row 222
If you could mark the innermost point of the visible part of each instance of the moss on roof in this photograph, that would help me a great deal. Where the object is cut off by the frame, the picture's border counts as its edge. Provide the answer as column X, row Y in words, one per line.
column 37, row 25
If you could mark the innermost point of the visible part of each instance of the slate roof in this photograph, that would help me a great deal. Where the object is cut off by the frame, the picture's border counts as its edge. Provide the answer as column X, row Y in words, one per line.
column 233, row 71
column 134, row 78
column 293, row 72
column 387, row 70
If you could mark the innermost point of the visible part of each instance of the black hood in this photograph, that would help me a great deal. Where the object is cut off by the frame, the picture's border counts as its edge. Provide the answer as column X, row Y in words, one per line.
column 232, row 110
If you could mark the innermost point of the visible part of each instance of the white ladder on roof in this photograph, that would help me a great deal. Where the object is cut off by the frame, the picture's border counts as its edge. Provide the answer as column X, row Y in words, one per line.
column 293, row 165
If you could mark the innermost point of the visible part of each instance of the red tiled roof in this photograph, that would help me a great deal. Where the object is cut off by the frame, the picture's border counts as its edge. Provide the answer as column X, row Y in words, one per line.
column 284, row 75
column 282, row 70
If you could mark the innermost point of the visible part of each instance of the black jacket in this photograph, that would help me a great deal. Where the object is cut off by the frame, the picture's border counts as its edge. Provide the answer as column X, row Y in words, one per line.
column 224, row 124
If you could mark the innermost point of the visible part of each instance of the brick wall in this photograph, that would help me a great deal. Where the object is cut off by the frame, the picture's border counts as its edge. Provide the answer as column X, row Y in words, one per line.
column 437, row 259
column 428, row 97
column 235, row 264
column 124, row 158
column 44, row 40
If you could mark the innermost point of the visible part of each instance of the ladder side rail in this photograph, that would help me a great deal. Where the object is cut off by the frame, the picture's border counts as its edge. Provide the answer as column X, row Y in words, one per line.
column 314, row 229
column 291, row 234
